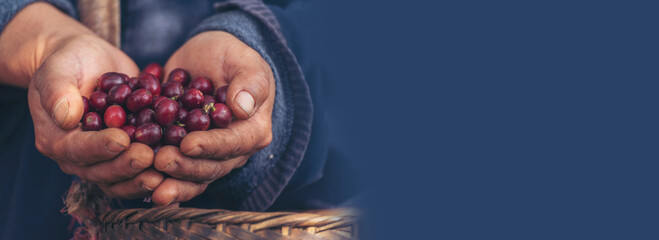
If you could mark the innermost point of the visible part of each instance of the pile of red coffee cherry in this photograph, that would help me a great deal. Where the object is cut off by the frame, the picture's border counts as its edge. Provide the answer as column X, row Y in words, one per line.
column 152, row 113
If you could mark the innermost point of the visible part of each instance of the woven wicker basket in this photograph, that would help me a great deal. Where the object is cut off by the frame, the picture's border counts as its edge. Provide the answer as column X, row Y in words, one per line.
column 191, row 223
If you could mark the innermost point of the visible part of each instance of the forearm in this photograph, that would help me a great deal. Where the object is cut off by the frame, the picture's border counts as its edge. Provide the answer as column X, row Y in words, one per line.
column 30, row 37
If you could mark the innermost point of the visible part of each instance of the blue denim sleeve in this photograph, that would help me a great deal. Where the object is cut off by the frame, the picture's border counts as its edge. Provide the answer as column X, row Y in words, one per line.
column 256, row 185
column 9, row 8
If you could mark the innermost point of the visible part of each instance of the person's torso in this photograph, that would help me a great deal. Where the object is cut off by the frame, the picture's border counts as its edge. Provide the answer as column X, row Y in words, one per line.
column 152, row 30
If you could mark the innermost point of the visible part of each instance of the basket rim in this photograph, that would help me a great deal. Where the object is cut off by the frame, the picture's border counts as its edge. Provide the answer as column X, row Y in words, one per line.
column 320, row 220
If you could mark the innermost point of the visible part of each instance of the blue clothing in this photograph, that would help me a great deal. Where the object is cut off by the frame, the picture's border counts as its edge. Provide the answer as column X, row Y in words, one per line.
column 305, row 171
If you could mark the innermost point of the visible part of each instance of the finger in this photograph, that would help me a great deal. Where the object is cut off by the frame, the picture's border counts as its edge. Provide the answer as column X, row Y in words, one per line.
column 139, row 186
column 248, row 90
column 88, row 147
column 128, row 164
column 171, row 161
column 250, row 80
column 173, row 190
column 241, row 138
column 59, row 94
column 74, row 146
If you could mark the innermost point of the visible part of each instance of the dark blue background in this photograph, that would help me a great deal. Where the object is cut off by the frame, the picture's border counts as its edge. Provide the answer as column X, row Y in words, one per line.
column 492, row 119
column 500, row 119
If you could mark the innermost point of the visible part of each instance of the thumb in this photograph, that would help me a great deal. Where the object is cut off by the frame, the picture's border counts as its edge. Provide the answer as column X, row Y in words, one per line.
column 60, row 98
column 247, row 92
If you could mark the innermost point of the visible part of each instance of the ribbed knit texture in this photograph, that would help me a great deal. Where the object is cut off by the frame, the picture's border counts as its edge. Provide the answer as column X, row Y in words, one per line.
column 9, row 9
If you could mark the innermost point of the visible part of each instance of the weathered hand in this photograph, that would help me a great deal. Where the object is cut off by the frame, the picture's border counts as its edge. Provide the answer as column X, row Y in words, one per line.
column 63, row 62
column 205, row 156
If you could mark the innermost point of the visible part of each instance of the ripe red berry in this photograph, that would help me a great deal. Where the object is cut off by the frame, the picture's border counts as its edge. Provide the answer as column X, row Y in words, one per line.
column 166, row 112
column 203, row 84
column 154, row 107
column 85, row 105
column 132, row 83
column 197, row 120
column 181, row 115
column 221, row 94
column 174, row 135
column 130, row 130
column 98, row 101
column 92, row 122
column 119, row 93
column 208, row 99
column 172, row 89
column 157, row 101
column 192, row 98
column 220, row 114
column 149, row 82
column 139, row 99
column 115, row 116
column 154, row 69
column 149, row 133
column 131, row 119
column 109, row 80
column 179, row 75
column 147, row 115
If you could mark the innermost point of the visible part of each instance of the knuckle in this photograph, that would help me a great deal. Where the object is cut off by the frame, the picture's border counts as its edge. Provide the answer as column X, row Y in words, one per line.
column 37, row 77
column 66, row 169
column 202, row 188
column 237, row 146
column 243, row 162
column 93, row 178
column 220, row 171
column 266, row 135
column 87, row 176
column 236, row 150
column 248, row 52
column 72, row 157
column 43, row 147
column 106, row 189
column 189, row 170
column 40, row 78
column 261, row 81
column 211, row 145
column 71, row 152
column 238, row 164
column 204, row 175
column 206, row 181
column 267, row 139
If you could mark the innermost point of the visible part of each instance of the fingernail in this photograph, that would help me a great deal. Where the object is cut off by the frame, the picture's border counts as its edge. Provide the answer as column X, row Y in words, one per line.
column 115, row 147
column 60, row 110
column 145, row 187
column 136, row 166
column 194, row 152
column 171, row 201
column 170, row 166
column 246, row 102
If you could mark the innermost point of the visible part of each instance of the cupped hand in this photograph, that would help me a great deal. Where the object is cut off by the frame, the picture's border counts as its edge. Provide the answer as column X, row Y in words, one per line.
column 69, row 69
column 104, row 157
column 205, row 156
